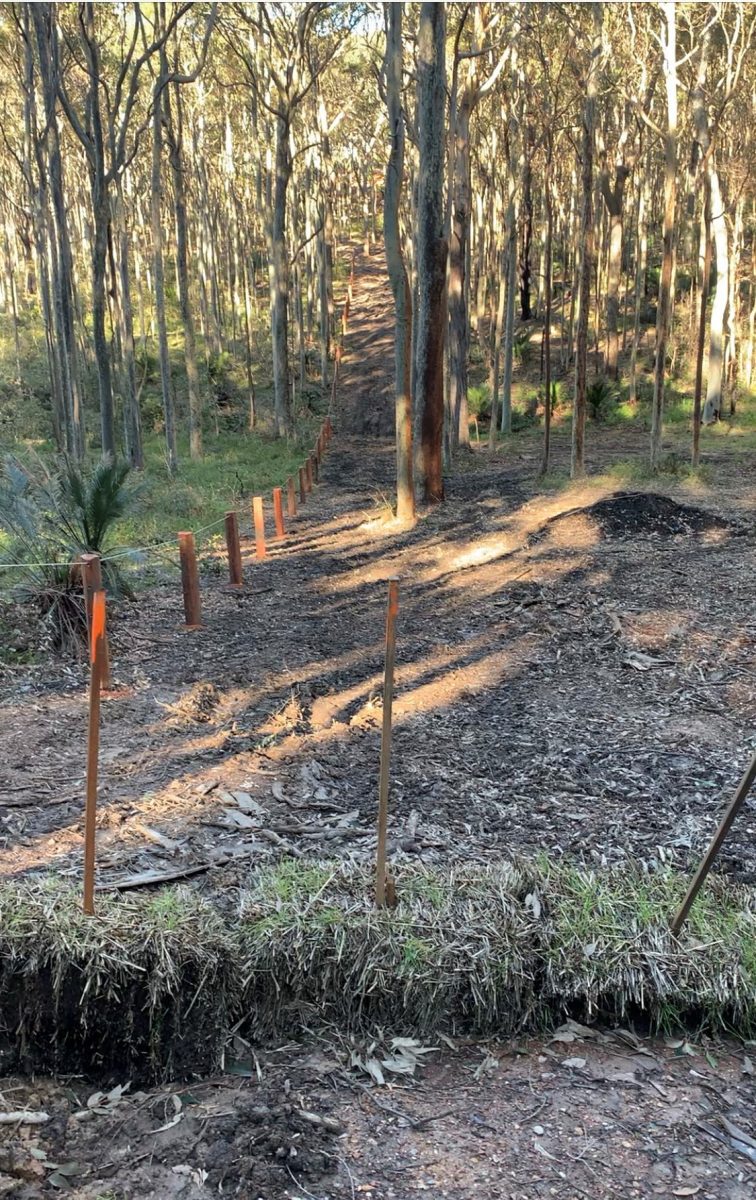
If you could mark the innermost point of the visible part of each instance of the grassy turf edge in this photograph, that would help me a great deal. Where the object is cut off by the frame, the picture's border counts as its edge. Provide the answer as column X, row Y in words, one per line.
column 153, row 985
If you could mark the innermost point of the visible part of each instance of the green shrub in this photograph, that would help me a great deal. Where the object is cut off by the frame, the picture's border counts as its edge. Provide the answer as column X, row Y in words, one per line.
column 479, row 401
column 51, row 519
column 601, row 398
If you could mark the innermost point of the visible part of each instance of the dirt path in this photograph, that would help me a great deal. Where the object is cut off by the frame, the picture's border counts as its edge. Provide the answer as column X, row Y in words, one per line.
column 581, row 686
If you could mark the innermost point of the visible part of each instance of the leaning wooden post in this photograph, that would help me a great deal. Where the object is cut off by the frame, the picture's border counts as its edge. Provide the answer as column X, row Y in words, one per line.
column 383, row 781
column 314, row 468
column 258, row 517
column 97, row 665
column 302, row 486
column 715, row 846
column 91, row 582
column 291, row 497
column 190, row 581
column 233, row 547
column 278, row 512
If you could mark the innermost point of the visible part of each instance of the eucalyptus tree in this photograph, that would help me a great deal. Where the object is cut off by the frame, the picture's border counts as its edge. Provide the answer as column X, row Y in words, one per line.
column 286, row 50
column 471, row 81
column 405, row 494
column 102, row 113
column 431, row 245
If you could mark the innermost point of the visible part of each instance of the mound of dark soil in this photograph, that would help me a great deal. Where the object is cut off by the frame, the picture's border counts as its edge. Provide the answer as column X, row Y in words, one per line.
column 629, row 513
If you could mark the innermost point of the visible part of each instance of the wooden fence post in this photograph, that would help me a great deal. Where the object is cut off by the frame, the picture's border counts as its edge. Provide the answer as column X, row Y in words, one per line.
column 97, row 664
column 291, row 497
column 278, row 512
column 381, row 881
column 302, row 486
column 308, row 473
column 715, row 845
column 314, row 468
column 259, row 522
column 190, row 581
column 91, row 582
column 235, row 572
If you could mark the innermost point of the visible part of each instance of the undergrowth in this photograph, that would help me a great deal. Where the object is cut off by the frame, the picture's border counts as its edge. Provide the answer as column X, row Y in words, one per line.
column 487, row 951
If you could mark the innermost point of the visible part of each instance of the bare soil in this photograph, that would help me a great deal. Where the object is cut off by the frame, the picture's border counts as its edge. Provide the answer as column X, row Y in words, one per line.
column 610, row 1116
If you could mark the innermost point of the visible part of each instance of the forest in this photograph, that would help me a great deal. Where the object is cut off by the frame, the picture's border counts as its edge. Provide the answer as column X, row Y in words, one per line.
column 377, row 543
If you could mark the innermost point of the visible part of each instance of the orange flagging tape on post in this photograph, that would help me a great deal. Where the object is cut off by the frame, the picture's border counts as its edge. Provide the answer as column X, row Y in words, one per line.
column 97, row 663
column 91, row 582
column 383, row 886
column 291, row 497
column 235, row 573
column 278, row 512
column 259, row 520
column 190, row 581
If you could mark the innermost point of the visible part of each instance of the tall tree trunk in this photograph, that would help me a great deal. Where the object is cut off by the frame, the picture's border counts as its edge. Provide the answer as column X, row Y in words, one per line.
column 704, row 260
column 641, row 249
column 61, row 261
column 526, row 310
column 405, row 492
column 509, row 320
column 577, row 466
column 664, row 309
column 132, row 423
column 169, row 414
column 176, row 155
column 496, row 352
column 713, row 406
column 278, row 270
column 546, row 284
column 457, row 280
column 613, row 199
column 431, row 245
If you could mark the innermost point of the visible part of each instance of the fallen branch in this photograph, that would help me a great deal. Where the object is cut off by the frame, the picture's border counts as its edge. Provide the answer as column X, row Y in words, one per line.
column 24, row 1117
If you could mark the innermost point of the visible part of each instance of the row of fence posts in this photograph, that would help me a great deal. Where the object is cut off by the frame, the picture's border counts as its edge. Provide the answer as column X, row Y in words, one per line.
column 95, row 604
column 307, row 475
column 90, row 566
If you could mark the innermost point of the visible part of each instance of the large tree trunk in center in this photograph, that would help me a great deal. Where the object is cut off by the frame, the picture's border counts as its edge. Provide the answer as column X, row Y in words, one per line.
column 431, row 246
column 405, row 494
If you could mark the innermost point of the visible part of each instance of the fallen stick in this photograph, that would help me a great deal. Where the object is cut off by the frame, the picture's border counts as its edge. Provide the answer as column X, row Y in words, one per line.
column 24, row 1118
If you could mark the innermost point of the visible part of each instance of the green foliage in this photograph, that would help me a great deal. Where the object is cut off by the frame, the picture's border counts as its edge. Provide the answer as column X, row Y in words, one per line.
column 479, row 401
column 522, row 348
column 601, row 398
column 50, row 519
column 88, row 505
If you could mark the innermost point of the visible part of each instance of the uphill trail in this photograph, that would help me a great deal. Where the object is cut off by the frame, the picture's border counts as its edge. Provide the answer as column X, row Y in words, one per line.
column 550, row 696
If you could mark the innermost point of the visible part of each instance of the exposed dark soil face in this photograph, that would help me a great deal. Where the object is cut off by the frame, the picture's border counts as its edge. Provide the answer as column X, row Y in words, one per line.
column 611, row 1116
column 574, row 675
